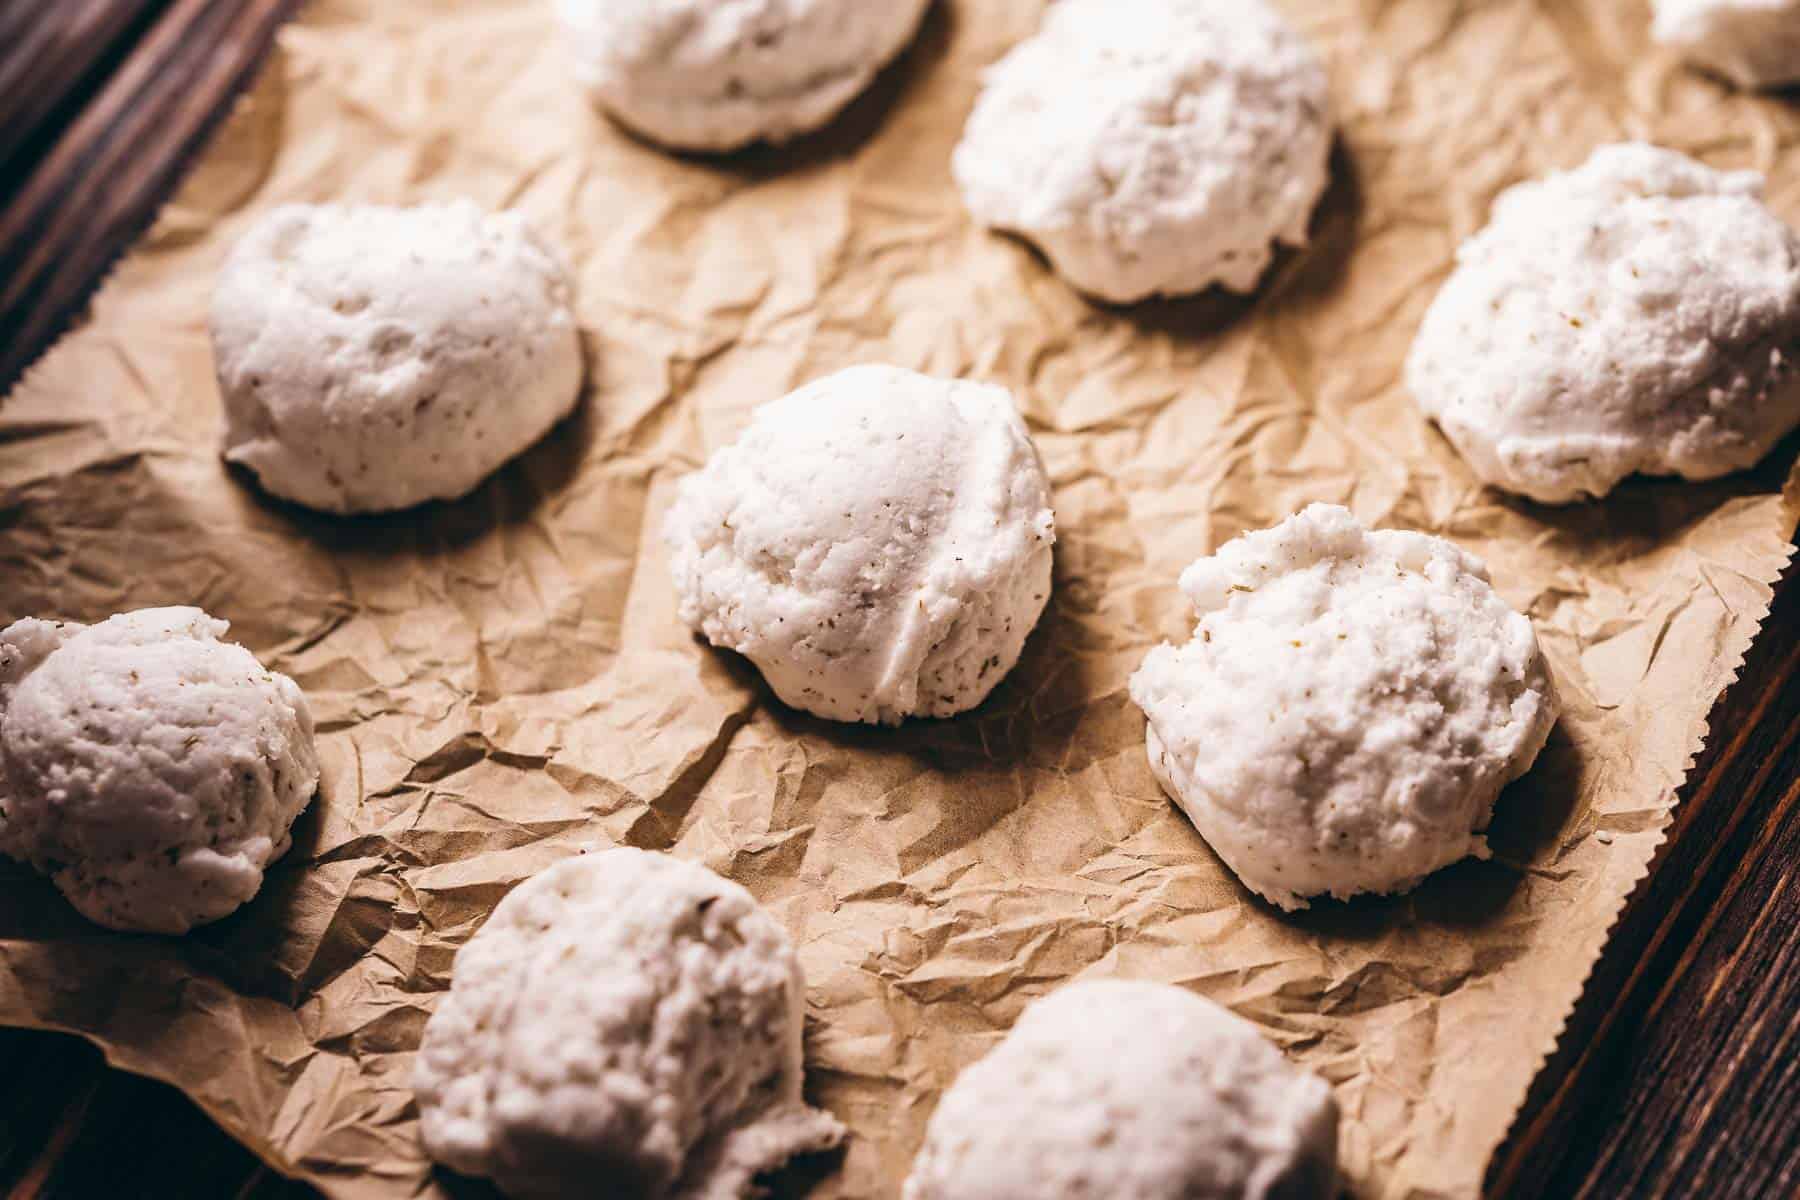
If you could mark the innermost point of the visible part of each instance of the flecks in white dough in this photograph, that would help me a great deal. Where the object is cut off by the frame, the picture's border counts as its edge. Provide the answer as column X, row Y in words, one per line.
column 625, row 1024
column 1115, row 1090
column 1640, row 314
column 1348, row 709
column 150, row 769
column 1151, row 147
column 716, row 75
column 878, row 543
column 375, row 358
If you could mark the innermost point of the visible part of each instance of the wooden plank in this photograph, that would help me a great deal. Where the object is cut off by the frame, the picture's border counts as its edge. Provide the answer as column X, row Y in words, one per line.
column 102, row 183
column 136, row 1137
column 53, row 56
column 94, row 1132
column 49, row 1080
column 1646, row 1084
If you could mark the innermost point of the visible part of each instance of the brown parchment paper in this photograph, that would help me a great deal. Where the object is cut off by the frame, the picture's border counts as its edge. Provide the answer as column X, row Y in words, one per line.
column 502, row 680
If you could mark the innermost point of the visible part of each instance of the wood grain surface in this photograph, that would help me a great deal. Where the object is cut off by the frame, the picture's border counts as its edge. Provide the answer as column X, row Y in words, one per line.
column 103, row 175
column 1680, row 1074
column 49, row 67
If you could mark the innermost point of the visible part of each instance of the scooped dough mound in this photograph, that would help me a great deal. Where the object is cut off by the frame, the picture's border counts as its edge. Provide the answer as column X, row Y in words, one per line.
column 626, row 1022
column 878, row 543
column 1640, row 314
column 1110, row 1090
column 1348, row 709
column 1753, row 43
column 714, row 75
column 376, row 358
column 1151, row 147
column 150, row 769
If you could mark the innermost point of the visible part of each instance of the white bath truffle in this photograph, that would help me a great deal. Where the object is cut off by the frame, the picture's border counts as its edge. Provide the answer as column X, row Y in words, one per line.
column 1151, row 147
column 1348, row 709
column 1638, row 314
column 1130, row 1091
column 375, row 358
column 1754, row 43
column 150, row 769
column 716, row 75
column 878, row 543
column 627, row 1022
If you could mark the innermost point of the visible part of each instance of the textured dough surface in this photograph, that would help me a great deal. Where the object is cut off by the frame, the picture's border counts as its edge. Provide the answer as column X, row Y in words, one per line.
column 878, row 543
column 1754, row 43
column 1348, row 709
column 1151, row 147
column 716, row 75
column 1640, row 314
column 150, row 769
column 623, row 1018
column 375, row 358
column 1114, row 1090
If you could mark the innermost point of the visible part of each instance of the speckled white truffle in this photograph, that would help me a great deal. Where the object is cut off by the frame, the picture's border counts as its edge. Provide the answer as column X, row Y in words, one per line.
column 878, row 543
column 1348, row 709
column 1753, row 43
column 150, row 769
column 1151, row 147
column 1110, row 1090
column 626, row 1022
column 715, row 75
column 376, row 358
column 1638, row 314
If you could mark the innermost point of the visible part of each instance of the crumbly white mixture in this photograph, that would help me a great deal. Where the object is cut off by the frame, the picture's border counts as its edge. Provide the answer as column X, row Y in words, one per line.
column 375, row 358
column 878, row 543
column 1110, row 1090
column 625, row 1024
column 715, row 75
column 1754, row 43
column 1640, row 314
column 1151, row 147
column 150, row 769
column 1348, row 709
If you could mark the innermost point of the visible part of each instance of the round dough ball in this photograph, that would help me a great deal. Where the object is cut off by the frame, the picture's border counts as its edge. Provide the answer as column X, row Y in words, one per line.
column 1753, row 43
column 1640, row 314
column 1151, row 147
column 1109, row 1090
column 877, row 543
column 375, row 358
column 714, row 75
column 150, row 769
column 624, row 1017
column 1348, row 709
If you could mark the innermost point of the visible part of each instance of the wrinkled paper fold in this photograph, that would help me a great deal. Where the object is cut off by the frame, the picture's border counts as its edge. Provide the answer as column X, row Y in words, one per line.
column 502, row 680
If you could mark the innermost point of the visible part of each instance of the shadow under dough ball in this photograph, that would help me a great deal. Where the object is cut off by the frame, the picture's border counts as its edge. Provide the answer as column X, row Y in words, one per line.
column 1753, row 43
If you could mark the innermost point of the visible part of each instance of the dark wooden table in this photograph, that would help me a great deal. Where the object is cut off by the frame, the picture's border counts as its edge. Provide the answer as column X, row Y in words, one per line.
column 1680, row 1074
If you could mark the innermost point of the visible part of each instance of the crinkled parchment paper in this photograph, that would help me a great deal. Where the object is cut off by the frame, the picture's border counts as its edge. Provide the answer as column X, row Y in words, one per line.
column 503, row 680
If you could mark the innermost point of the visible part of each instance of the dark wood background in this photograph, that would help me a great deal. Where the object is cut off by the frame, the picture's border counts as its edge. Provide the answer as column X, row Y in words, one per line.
column 1680, row 1074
